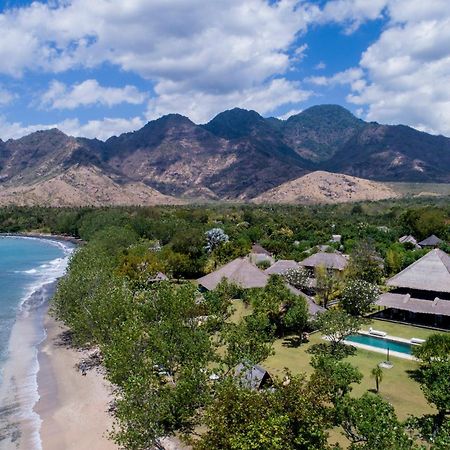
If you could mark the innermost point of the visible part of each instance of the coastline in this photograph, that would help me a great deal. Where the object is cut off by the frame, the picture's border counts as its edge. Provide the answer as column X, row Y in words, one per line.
column 72, row 407
column 48, row 236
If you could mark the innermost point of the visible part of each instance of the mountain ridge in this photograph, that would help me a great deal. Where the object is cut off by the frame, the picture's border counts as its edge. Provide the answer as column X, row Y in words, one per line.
column 238, row 155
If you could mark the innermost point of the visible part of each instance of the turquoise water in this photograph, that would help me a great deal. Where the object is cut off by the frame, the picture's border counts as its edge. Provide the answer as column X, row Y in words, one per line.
column 29, row 269
column 394, row 346
column 26, row 266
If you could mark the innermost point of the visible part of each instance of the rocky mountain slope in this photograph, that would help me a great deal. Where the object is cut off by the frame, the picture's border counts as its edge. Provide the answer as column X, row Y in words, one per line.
column 238, row 155
column 83, row 186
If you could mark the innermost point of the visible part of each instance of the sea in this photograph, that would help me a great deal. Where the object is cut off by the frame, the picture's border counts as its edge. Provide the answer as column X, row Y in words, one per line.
column 29, row 270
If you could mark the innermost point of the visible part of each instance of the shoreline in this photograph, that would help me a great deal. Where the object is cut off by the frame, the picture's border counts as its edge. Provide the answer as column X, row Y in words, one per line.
column 72, row 407
column 48, row 236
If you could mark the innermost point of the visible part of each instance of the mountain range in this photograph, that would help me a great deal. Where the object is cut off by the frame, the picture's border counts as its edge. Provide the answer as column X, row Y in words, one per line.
column 238, row 155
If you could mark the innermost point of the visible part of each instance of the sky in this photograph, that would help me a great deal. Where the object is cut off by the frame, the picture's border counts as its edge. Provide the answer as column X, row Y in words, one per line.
column 98, row 68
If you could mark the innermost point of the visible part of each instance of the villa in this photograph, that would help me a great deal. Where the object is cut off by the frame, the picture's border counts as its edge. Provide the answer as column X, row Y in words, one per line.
column 335, row 262
column 281, row 267
column 431, row 241
column 420, row 293
column 246, row 275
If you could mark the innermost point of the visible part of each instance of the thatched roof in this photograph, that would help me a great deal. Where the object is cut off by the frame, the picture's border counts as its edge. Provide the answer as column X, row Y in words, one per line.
column 240, row 271
column 313, row 307
column 431, row 241
column 408, row 239
column 281, row 266
column 429, row 273
column 406, row 303
column 259, row 250
column 158, row 277
column 254, row 377
column 334, row 261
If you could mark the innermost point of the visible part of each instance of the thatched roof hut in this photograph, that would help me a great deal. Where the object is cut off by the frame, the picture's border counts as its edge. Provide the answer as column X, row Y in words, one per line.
column 313, row 307
column 281, row 266
column 334, row 261
column 431, row 241
column 260, row 250
column 255, row 377
column 429, row 273
column 408, row 240
column 240, row 271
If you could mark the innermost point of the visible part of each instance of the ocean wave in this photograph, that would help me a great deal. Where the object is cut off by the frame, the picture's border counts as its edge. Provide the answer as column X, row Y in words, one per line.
column 45, row 278
column 19, row 387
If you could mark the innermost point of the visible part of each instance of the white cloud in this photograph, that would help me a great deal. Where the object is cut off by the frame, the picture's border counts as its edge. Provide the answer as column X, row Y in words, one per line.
column 6, row 97
column 290, row 113
column 190, row 51
column 201, row 107
column 320, row 66
column 89, row 92
column 101, row 129
column 349, row 76
column 352, row 13
column 406, row 72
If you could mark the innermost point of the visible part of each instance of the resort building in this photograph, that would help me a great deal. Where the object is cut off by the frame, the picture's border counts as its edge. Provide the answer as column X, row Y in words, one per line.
column 431, row 241
column 281, row 266
column 409, row 240
column 331, row 261
column 239, row 271
column 420, row 293
column 246, row 275
column 255, row 377
column 259, row 255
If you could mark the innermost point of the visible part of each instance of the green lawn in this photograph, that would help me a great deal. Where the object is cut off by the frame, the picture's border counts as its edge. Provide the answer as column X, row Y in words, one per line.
column 400, row 330
column 397, row 387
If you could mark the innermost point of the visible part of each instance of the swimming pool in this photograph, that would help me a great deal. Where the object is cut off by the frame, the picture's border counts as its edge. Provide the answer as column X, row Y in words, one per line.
column 378, row 342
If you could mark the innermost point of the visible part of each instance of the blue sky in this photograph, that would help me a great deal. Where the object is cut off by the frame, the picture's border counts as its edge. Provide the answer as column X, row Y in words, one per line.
column 103, row 67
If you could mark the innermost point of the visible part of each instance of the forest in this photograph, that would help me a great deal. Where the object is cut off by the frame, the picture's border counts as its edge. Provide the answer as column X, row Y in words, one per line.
column 171, row 351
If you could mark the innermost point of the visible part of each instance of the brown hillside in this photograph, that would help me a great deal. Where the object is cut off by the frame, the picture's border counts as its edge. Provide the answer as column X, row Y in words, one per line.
column 325, row 187
column 83, row 186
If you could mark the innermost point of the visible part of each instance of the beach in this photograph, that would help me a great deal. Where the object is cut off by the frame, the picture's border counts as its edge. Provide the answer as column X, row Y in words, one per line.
column 72, row 407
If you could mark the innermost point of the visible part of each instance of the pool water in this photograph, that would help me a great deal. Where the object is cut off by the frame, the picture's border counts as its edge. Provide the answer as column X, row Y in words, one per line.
column 401, row 347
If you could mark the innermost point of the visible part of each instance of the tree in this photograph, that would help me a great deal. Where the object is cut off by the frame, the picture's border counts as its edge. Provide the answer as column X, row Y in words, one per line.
column 297, row 315
column 299, row 278
column 215, row 238
column 249, row 341
column 327, row 285
column 434, row 379
column 293, row 416
column 358, row 297
column 336, row 376
column 336, row 325
column 377, row 374
column 435, row 348
column 365, row 263
column 370, row 423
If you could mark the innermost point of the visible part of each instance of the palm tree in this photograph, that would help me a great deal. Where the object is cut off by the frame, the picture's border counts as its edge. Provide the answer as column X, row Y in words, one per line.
column 377, row 373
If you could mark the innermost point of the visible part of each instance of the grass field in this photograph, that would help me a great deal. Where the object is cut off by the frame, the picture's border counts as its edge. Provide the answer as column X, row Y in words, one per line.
column 397, row 387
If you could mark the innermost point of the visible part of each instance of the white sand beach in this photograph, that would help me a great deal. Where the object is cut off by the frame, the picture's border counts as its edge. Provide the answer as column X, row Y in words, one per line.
column 72, row 407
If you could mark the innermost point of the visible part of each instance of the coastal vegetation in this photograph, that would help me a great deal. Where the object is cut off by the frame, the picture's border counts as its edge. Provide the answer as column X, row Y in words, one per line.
column 171, row 350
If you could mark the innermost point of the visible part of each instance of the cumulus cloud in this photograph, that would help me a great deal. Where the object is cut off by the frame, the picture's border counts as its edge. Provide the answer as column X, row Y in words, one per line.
column 406, row 72
column 352, row 13
column 197, row 55
column 201, row 106
column 101, row 129
column 89, row 92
